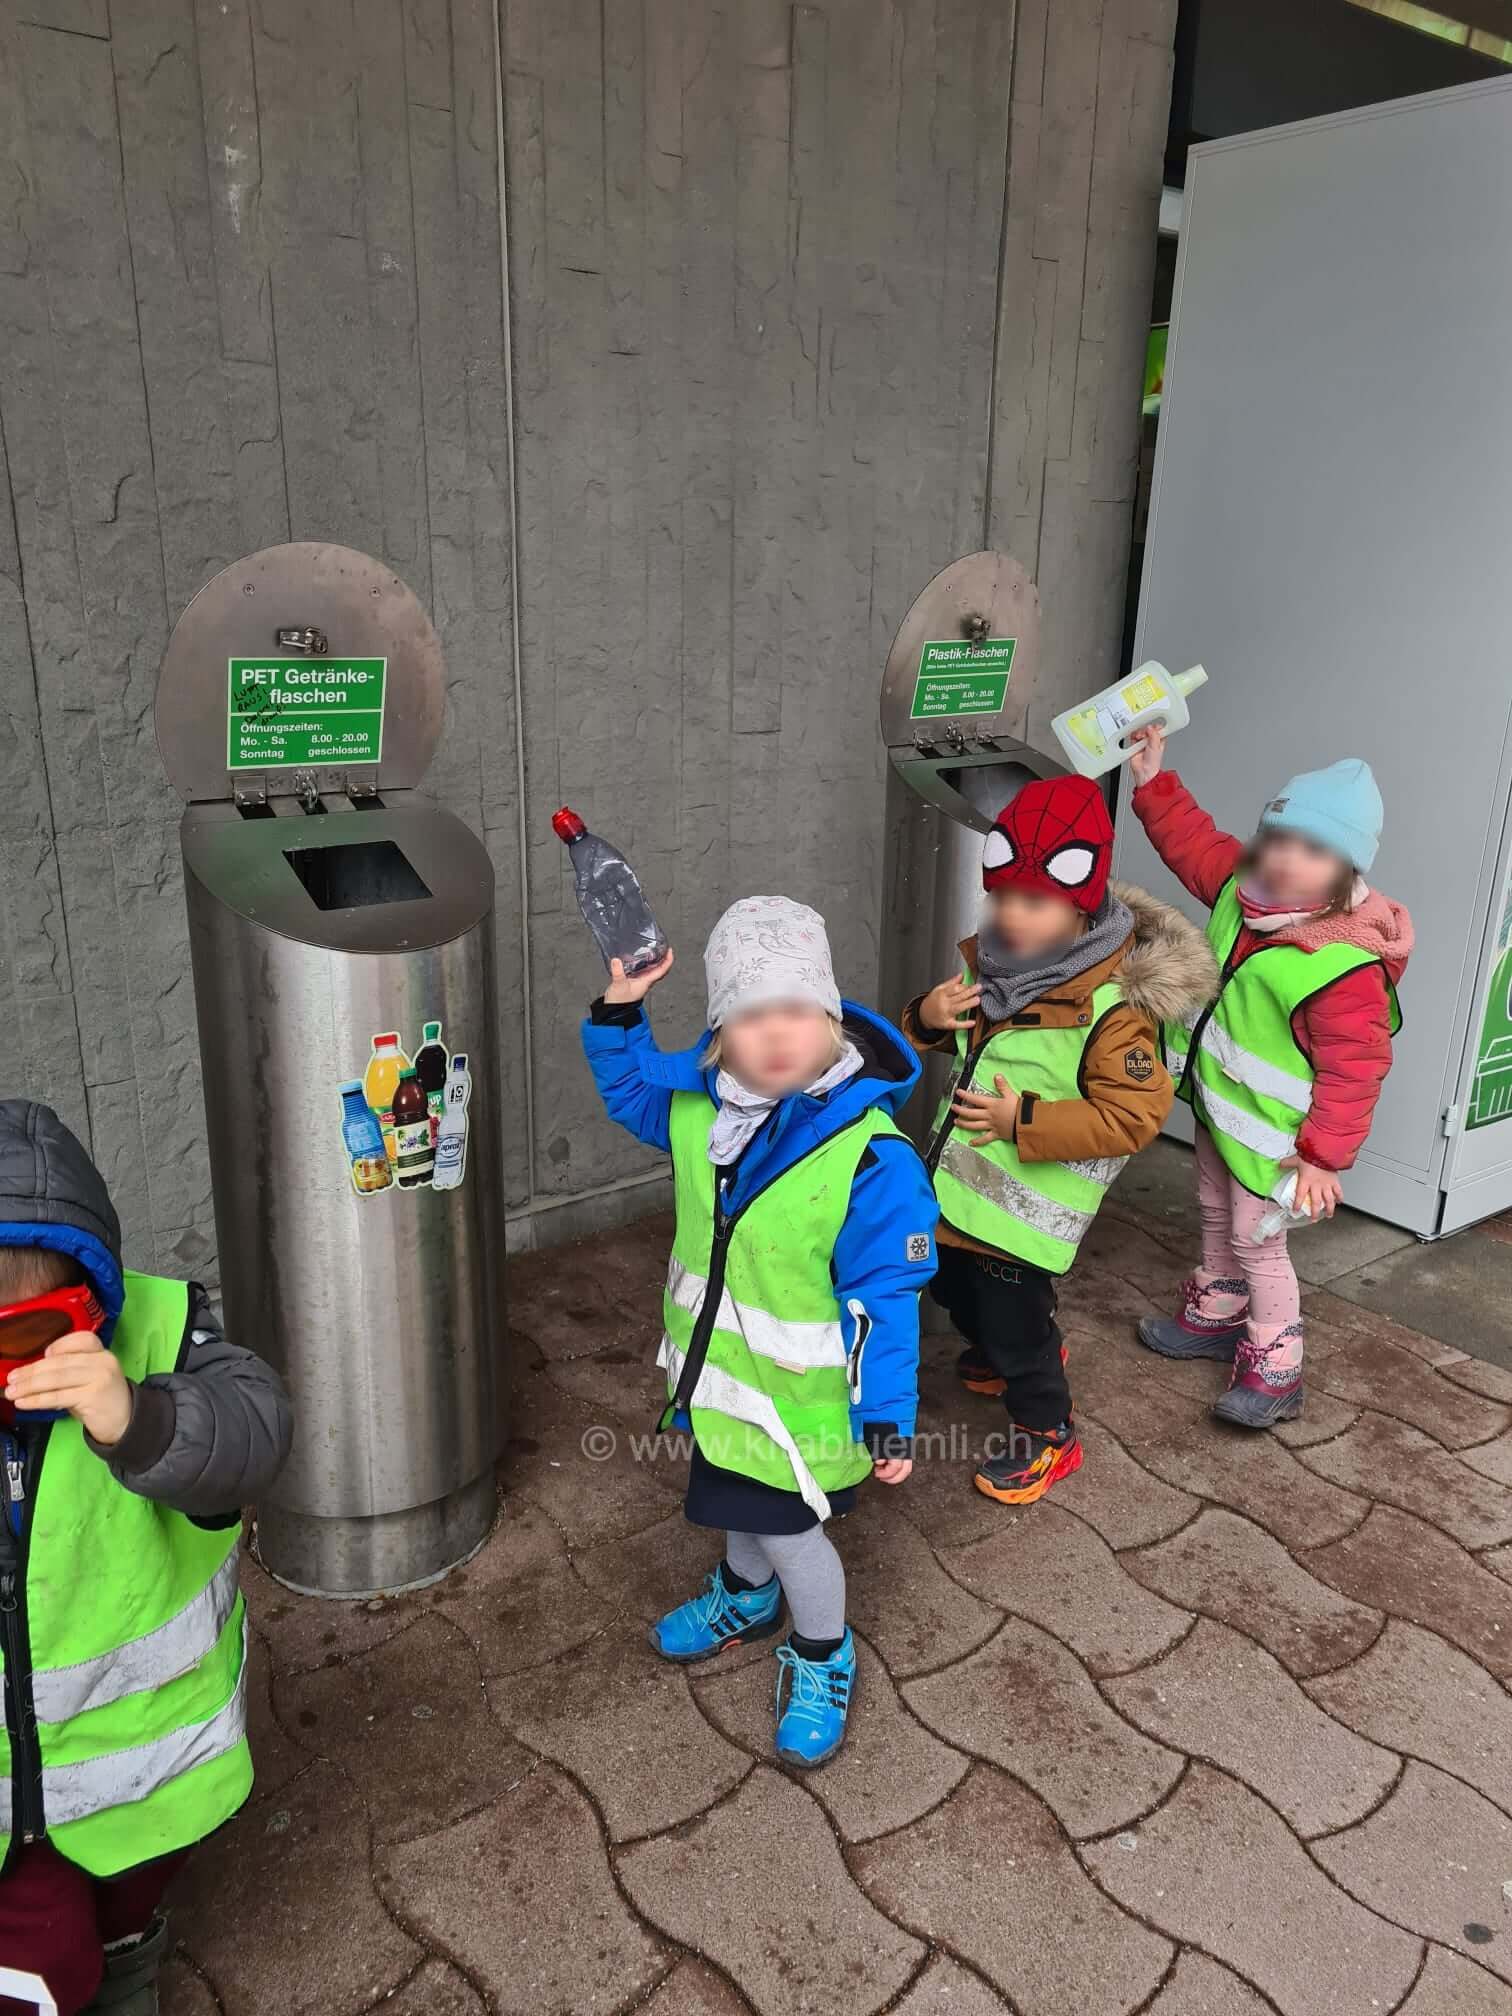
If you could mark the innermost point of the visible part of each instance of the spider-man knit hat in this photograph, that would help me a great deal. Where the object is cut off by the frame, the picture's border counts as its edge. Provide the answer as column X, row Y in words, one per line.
column 1056, row 838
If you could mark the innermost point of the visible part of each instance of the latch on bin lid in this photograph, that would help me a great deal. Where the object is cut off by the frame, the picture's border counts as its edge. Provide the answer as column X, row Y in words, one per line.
column 300, row 669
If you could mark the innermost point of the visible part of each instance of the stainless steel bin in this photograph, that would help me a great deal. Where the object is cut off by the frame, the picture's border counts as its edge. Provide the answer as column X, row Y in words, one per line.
column 341, row 930
column 966, row 721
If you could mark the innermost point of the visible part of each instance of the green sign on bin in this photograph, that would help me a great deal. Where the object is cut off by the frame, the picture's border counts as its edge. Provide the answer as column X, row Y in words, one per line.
column 959, row 678
column 319, row 713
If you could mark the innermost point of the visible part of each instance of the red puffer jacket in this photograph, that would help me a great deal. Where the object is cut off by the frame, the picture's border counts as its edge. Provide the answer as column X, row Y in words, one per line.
column 1345, row 1030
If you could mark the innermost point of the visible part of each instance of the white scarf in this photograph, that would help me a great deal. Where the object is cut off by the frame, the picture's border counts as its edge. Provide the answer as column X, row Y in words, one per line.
column 742, row 1111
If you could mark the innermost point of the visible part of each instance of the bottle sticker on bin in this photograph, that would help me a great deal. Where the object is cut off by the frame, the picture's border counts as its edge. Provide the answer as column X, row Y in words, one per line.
column 404, row 1121
column 318, row 713
column 955, row 677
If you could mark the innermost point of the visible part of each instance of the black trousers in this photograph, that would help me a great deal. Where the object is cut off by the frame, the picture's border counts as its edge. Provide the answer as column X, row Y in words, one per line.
column 1005, row 1310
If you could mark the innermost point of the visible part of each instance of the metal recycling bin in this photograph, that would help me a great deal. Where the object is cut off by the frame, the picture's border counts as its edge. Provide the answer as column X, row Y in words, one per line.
column 341, row 933
column 966, row 720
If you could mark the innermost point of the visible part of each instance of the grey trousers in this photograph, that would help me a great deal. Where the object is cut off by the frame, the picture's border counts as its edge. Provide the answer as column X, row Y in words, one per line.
column 809, row 1569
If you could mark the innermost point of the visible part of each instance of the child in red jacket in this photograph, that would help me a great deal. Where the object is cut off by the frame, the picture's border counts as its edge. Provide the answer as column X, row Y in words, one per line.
column 1284, row 1070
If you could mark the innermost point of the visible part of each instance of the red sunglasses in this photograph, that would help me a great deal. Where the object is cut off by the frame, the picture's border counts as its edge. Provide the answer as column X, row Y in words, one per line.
column 27, row 1328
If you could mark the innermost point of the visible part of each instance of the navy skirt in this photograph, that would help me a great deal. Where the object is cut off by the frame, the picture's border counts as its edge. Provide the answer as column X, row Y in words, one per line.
column 740, row 1504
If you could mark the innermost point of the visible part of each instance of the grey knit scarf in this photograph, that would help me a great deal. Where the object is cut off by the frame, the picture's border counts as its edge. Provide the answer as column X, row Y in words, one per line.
column 1009, row 981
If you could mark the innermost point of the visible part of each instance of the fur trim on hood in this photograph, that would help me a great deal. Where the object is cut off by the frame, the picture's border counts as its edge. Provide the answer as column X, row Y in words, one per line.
column 1170, row 968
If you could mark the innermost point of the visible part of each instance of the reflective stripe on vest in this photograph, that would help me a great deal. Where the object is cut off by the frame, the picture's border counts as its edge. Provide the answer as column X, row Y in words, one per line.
column 1037, row 1211
column 801, row 1345
column 1245, row 1068
column 122, row 1777
column 724, row 1394
column 1236, row 1123
column 150, row 1661
column 1033, row 1208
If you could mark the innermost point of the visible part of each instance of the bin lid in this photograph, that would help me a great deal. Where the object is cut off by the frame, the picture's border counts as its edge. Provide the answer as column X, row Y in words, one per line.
column 964, row 667
column 306, row 660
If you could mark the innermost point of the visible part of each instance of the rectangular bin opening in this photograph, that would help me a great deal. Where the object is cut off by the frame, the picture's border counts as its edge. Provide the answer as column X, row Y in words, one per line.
column 355, row 876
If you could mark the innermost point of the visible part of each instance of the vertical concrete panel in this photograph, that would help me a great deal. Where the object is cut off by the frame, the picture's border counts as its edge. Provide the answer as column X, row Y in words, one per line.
column 311, row 218
column 211, row 315
column 173, row 263
column 232, row 142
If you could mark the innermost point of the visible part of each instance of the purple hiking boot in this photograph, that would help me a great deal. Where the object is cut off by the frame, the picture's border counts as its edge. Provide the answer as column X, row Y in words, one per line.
column 1261, row 1394
column 1191, row 1334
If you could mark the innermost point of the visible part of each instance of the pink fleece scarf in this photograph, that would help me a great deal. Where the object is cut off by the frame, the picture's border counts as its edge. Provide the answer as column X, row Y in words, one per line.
column 1372, row 920
column 1262, row 915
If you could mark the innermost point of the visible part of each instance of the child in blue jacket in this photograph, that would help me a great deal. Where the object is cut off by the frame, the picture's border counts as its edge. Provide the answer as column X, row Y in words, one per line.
column 805, row 1232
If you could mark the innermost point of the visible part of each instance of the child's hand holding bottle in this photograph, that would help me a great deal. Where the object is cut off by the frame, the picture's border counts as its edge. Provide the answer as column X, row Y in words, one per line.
column 1318, row 1191
column 1149, row 753
column 636, row 986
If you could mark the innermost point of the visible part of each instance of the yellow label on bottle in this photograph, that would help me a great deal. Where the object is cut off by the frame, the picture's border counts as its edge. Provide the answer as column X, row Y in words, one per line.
column 1142, row 693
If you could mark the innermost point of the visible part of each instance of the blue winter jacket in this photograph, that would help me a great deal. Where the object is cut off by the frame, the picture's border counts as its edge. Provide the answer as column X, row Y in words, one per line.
column 885, row 1253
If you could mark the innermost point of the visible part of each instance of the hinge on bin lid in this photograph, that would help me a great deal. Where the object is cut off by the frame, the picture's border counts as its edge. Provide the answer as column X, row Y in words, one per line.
column 302, row 637
column 249, row 790
column 1449, row 1122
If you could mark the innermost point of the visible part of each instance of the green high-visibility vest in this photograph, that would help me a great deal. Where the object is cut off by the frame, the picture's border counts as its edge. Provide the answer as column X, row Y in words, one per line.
column 137, row 1638
column 772, row 1396
column 1037, row 1211
column 1237, row 1063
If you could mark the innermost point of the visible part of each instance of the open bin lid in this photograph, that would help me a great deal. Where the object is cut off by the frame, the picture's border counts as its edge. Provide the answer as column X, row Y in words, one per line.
column 964, row 667
column 302, row 666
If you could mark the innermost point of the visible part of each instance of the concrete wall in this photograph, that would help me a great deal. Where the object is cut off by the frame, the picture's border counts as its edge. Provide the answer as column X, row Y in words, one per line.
column 804, row 301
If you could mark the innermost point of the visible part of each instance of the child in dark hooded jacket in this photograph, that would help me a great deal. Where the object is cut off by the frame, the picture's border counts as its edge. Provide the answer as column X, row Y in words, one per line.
column 131, row 1435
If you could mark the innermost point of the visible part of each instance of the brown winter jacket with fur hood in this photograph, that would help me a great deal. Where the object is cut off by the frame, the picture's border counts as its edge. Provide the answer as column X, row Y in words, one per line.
column 1164, row 967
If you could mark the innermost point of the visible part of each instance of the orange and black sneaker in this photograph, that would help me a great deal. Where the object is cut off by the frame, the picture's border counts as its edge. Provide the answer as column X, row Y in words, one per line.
column 977, row 1376
column 1030, row 1464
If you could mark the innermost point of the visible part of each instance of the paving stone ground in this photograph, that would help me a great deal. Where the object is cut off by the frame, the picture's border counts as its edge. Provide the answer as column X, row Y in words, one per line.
column 1223, row 1727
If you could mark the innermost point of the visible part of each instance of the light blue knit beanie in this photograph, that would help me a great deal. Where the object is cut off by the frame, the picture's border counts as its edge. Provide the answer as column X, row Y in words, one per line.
column 1340, row 808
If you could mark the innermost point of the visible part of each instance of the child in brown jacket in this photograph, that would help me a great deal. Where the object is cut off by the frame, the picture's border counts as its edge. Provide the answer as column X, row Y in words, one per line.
column 1055, row 1022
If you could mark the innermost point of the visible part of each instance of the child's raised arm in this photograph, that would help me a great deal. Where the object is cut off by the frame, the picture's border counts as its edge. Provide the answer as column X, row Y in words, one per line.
column 617, row 1042
column 1192, row 846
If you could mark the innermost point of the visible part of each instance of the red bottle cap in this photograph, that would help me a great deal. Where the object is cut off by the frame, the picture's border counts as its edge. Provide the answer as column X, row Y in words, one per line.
column 566, row 825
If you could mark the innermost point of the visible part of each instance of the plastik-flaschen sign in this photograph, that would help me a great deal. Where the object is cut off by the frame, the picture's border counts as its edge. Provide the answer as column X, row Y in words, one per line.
column 956, row 677
column 314, row 712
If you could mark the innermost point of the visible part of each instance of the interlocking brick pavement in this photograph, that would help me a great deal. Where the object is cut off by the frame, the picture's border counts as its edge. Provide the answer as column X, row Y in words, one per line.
column 1223, row 1727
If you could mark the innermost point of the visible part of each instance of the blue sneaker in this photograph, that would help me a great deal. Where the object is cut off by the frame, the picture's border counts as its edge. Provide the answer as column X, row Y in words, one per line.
column 811, row 1728
column 717, row 1618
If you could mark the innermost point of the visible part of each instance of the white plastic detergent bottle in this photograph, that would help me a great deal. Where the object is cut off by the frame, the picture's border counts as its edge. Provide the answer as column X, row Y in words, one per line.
column 1095, row 734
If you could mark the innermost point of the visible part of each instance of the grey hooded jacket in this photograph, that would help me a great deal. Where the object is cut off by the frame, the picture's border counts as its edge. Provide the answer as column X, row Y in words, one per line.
column 204, row 1439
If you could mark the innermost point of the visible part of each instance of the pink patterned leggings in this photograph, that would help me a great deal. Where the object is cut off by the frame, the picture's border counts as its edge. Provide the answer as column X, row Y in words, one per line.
column 1238, row 1278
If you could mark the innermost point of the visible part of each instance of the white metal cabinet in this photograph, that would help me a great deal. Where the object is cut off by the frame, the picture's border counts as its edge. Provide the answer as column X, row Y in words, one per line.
column 1331, row 535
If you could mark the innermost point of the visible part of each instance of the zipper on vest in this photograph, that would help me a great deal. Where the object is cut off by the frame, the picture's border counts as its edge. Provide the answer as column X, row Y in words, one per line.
column 942, row 1133
column 1226, row 973
column 27, row 1822
column 719, row 1254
